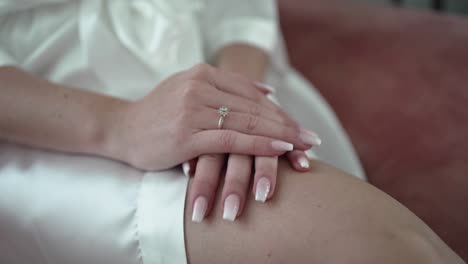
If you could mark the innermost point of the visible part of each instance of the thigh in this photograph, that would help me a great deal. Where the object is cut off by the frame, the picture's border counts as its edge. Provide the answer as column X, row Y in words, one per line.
column 318, row 217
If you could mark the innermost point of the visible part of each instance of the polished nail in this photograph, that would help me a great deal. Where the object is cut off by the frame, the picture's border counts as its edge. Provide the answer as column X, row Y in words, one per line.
column 273, row 99
column 199, row 209
column 282, row 146
column 304, row 162
column 310, row 138
column 186, row 168
column 231, row 207
column 262, row 190
column 266, row 87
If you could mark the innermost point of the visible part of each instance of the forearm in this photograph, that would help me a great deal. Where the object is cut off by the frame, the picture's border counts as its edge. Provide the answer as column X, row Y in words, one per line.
column 41, row 114
column 243, row 59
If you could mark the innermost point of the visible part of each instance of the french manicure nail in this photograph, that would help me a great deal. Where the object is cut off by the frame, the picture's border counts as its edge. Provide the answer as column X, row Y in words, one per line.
column 265, row 86
column 186, row 168
column 231, row 207
column 199, row 209
column 282, row 146
column 262, row 190
column 304, row 162
column 310, row 138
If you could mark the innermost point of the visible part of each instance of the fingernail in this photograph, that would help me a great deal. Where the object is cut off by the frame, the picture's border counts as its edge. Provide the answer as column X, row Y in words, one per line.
column 309, row 137
column 231, row 207
column 266, row 87
column 304, row 162
column 272, row 98
column 262, row 190
column 199, row 209
column 186, row 168
column 282, row 146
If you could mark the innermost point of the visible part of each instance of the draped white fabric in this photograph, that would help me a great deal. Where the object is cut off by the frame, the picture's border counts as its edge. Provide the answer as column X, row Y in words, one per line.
column 61, row 208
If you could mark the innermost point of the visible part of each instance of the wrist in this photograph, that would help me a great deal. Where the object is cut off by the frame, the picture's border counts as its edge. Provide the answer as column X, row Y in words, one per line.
column 107, row 137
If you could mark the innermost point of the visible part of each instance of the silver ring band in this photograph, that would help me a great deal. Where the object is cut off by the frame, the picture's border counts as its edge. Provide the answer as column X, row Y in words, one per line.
column 223, row 111
column 220, row 122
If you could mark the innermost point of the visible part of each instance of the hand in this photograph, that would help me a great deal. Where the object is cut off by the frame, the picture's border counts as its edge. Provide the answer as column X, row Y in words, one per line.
column 178, row 121
column 207, row 171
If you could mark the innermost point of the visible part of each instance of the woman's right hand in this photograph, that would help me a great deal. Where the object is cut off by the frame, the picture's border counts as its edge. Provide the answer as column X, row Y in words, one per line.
column 178, row 121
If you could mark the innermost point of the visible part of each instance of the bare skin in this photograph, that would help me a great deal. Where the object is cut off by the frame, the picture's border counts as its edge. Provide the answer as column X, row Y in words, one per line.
column 323, row 216
column 41, row 114
column 250, row 62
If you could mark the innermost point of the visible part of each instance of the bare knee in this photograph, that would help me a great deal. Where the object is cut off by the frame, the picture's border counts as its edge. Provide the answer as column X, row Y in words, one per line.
column 324, row 216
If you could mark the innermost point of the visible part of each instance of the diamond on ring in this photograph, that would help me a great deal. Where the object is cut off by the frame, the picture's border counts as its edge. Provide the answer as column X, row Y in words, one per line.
column 223, row 111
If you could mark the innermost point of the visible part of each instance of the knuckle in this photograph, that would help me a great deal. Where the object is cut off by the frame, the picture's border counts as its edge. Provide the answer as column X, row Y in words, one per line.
column 265, row 167
column 285, row 122
column 237, row 185
column 227, row 140
column 211, row 158
column 252, row 123
column 191, row 94
column 200, row 71
column 255, row 110
column 288, row 133
column 294, row 125
column 257, row 96
column 201, row 185
column 191, row 88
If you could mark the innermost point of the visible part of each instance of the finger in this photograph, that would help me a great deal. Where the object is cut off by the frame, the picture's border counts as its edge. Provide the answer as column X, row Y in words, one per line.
column 237, row 84
column 299, row 160
column 239, row 104
column 270, row 101
column 226, row 81
column 236, row 184
column 233, row 142
column 264, row 88
column 254, row 125
column 231, row 83
column 193, row 166
column 204, row 185
column 266, row 171
column 188, row 167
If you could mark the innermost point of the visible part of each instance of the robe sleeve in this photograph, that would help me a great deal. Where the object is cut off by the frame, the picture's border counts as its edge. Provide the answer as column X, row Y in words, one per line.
column 225, row 22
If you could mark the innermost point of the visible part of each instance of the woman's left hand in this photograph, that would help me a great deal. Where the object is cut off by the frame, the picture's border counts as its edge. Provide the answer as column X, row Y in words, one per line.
column 207, row 171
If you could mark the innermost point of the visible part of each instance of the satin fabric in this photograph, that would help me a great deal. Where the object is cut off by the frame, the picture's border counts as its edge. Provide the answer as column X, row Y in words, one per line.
column 62, row 208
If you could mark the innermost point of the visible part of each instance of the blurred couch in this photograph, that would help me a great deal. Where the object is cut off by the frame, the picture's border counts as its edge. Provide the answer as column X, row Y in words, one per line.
column 398, row 80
